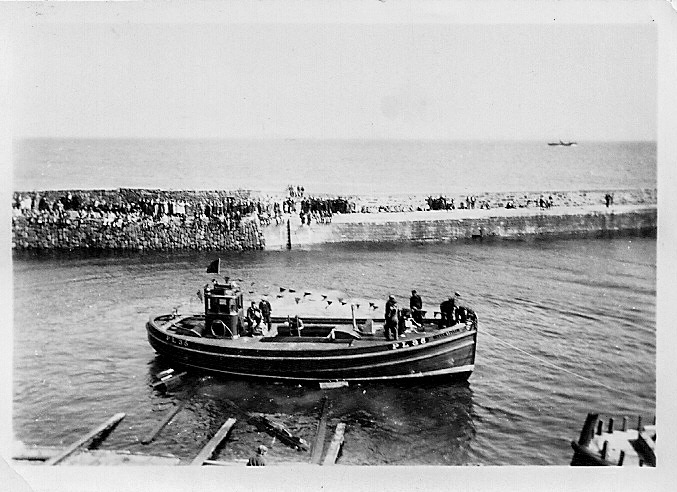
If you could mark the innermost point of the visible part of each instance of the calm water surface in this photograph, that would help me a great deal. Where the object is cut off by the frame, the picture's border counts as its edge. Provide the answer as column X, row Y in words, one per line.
column 567, row 326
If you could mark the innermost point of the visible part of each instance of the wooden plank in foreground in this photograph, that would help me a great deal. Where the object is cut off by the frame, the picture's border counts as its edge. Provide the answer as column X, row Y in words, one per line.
column 169, row 380
column 153, row 434
column 35, row 453
column 106, row 426
column 213, row 443
column 333, row 384
column 318, row 445
column 335, row 446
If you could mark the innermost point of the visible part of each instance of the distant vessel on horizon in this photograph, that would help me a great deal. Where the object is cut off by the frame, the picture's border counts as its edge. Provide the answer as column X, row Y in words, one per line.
column 563, row 144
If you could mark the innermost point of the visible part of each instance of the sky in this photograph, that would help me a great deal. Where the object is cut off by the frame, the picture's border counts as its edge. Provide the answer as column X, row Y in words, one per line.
column 125, row 76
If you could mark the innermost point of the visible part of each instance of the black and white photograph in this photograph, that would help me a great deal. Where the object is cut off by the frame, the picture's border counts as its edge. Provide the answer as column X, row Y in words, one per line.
column 360, row 245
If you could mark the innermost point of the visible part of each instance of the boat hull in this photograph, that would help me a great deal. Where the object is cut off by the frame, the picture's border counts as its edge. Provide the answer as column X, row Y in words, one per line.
column 447, row 353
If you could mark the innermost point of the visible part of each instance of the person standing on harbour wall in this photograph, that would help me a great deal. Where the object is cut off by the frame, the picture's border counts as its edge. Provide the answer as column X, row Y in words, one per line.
column 609, row 199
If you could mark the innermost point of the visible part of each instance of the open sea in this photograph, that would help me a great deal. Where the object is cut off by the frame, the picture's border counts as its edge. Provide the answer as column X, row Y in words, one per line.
column 566, row 326
column 361, row 167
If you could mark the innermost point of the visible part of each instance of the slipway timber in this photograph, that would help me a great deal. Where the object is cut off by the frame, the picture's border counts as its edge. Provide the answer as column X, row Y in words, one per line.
column 84, row 451
column 311, row 349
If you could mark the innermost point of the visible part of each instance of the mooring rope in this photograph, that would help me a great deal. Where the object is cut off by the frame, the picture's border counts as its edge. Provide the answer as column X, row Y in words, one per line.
column 484, row 332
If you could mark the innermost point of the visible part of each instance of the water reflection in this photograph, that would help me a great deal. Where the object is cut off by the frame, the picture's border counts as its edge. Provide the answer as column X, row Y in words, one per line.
column 392, row 424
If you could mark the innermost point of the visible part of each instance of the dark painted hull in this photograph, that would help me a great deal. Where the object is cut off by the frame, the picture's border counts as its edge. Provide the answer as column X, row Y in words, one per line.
column 448, row 353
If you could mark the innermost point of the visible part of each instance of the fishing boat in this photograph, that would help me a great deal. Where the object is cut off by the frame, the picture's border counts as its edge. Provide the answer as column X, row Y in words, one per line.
column 309, row 349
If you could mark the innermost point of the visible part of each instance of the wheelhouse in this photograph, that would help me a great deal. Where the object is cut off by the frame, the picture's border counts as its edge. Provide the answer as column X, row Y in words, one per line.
column 224, row 309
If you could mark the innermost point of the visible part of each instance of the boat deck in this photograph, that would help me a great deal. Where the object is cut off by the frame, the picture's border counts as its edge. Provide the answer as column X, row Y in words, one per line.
column 348, row 337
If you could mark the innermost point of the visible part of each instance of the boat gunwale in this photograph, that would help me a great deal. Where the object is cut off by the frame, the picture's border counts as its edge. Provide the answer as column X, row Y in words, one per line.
column 306, row 351
column 448, row 371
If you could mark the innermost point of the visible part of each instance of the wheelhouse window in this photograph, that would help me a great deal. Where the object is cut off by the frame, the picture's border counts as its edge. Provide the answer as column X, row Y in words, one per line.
column 219, row 305
column 224, row 306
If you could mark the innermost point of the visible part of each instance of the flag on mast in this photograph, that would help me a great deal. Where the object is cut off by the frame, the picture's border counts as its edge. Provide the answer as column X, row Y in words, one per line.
column 215, row 266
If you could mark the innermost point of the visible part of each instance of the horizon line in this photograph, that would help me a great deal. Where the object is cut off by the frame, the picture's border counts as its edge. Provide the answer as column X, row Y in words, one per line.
column 332, row 139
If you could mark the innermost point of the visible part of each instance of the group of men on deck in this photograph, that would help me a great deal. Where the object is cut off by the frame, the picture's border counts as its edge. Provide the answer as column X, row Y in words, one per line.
column 257, row 316
column 397, row 321
column 400, row 321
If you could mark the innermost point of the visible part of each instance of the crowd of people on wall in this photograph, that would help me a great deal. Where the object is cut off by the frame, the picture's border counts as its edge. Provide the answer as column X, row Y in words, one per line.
column 227, row 209
column 444, row 203
column 118, row 209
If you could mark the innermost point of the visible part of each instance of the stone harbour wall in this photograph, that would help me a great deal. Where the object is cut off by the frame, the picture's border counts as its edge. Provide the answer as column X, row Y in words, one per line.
column 131, row 219
column 96, row 233
column 469, row 224
column 517, row 225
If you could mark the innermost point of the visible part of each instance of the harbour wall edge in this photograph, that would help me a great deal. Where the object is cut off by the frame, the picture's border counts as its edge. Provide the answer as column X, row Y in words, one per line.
column 639, row 220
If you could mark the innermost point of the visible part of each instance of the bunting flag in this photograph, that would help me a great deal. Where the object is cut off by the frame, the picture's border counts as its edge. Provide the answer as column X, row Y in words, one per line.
column 214, row 266
column 304, row 296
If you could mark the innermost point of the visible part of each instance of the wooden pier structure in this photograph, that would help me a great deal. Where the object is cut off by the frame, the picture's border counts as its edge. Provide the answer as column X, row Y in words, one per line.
column 607, row 445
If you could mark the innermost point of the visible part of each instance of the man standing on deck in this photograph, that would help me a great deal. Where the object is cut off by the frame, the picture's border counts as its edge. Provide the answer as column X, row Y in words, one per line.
column 448, row 312
column 463, row 313
column 254, row 319
column 416, row 304
column 391, row 318
column 266, row 309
